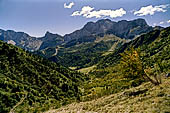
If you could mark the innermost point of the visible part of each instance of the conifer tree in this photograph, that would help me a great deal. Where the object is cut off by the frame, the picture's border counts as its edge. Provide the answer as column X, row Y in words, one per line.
column 131, row 66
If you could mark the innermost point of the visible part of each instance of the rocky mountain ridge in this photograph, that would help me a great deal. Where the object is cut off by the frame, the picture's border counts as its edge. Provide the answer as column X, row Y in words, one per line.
column 123, row 29
column 28, row 42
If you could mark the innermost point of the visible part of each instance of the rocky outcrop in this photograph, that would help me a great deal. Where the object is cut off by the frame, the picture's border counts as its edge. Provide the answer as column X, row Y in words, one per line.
column 20, row 39
column 30, row 43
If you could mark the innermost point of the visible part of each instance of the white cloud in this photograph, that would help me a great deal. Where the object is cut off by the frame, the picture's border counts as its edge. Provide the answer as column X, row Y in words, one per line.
column 89, row 12
column 70, row 5
column 168, row 21
column 161, row 22
column 150, row 10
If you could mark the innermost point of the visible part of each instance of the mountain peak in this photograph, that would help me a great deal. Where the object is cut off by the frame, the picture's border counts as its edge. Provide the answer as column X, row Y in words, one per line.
column 48, row 33
column 88, row 25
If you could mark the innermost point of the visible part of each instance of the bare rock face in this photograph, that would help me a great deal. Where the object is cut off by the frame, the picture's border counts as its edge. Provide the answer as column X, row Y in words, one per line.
column 130, row 29
column 90, row 29
column 124, row 29
column 30, row 43
column 20, row 39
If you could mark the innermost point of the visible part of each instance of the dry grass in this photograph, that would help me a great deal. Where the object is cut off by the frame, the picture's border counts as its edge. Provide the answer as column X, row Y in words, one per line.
column 145, row 98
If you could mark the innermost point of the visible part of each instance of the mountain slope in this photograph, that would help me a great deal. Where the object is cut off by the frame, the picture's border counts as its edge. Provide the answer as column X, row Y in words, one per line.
column 106, row 77
column 41, row 83
column 152, row 45
column 141, row 99
column 66, row 49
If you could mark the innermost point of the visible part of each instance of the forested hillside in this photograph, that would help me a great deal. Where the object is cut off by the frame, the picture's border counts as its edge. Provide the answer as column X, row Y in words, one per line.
column 29, row 83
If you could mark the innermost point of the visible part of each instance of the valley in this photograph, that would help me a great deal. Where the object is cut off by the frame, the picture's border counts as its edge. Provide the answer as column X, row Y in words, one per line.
column 105, row 66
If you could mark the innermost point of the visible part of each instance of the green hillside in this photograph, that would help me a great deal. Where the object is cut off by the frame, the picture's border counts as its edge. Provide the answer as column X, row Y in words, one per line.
column 29, row 83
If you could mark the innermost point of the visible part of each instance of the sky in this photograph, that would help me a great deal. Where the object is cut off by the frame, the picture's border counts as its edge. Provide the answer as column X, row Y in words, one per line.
column 36, row 17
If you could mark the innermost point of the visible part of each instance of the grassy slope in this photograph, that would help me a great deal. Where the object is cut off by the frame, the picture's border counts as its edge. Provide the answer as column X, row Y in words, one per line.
column 42, row 82
column 144, row 98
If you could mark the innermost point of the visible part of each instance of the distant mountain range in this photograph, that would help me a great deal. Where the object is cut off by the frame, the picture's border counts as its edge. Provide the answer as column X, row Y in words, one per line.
column 123, row 29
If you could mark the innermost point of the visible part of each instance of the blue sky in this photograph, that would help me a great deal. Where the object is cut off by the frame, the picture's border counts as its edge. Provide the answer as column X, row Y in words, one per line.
column 35, row 17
